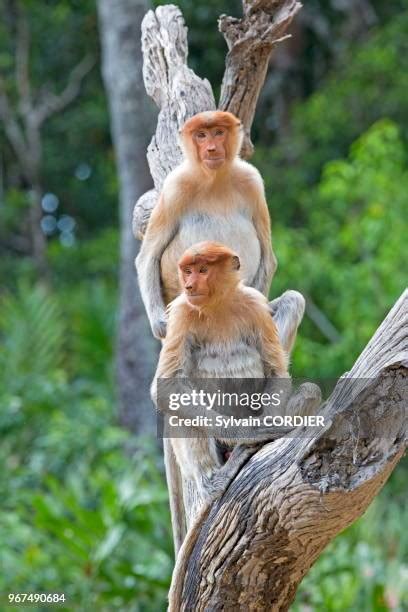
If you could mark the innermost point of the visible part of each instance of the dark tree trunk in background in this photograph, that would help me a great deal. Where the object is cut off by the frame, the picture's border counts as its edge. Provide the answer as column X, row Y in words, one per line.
column 131, row 125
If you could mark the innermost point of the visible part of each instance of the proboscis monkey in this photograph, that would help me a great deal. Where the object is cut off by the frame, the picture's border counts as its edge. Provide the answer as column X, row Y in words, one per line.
column 217, row 328
column 211, row 195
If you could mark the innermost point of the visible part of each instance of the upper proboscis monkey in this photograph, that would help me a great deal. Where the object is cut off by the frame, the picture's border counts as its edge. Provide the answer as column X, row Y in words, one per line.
column 212, row 195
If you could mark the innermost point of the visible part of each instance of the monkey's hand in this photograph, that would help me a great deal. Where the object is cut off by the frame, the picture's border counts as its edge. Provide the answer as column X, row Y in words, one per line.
column 159, row 326
column 219, row 482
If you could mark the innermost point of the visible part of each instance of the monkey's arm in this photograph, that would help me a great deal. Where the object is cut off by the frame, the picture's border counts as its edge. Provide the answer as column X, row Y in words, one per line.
column 274, row 357
column 160, row 231
column 170, row 378
column 268, row 262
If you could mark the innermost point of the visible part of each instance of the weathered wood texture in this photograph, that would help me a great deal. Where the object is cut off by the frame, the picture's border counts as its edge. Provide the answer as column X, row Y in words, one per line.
column 177, row 91
column 251, row 549
column 180, row 94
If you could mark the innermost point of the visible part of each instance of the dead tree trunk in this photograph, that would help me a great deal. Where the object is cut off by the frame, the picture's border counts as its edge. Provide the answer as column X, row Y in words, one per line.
column 251, row 549
column 180, row 93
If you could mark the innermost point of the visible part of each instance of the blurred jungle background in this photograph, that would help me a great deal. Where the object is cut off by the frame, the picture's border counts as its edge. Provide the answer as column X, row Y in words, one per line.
column 84, row 504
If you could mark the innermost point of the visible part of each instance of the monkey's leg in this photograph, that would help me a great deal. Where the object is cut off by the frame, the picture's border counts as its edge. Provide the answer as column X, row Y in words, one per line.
column 287, row 312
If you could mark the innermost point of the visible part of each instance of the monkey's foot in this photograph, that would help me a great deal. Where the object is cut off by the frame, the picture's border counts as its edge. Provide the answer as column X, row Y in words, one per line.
column 287, row 312
column 221, row 479
column 159, row 328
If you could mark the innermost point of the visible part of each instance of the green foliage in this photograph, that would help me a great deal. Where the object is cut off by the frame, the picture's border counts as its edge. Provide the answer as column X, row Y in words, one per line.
column 85, row 512
column 352, row 249
column 77, row 158
column 84, row 507
column 100, row 535
column 87, row 260
column 371, row 83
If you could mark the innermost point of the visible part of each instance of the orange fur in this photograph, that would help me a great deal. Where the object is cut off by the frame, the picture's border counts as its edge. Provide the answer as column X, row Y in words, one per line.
column 207, row 252
column 232, row 309
column 206, row 120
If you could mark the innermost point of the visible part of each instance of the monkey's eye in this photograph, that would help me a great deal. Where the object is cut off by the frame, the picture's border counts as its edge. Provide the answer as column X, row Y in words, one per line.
column 203, row 270
column 187, row 271
column 201, row 135
column 220, row 132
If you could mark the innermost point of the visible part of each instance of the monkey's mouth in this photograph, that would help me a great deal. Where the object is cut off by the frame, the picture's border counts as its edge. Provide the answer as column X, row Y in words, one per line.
column 195, row 296
column 214, row 162
column 196, row 299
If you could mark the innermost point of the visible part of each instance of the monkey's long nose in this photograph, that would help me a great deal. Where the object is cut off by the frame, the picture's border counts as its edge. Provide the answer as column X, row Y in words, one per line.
column 191, row 283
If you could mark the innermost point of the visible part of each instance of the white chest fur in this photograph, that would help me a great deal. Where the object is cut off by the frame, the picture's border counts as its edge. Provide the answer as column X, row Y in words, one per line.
column 224, row 360
column 234, row 229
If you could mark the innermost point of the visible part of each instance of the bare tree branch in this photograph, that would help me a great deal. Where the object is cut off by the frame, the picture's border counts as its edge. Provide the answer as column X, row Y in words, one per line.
column 251, row 548
column 180, row 93
column 22, row 61
column 53, row 103
column 321, row 321
column 174, row 87
column 24, row 132
column 13, row 130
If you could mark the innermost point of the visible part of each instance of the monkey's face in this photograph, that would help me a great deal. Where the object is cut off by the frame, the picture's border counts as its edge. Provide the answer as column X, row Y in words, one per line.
column 211, row 146
column 196, row 283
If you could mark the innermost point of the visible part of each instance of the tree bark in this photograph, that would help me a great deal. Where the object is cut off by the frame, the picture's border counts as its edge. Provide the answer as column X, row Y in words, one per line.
column 250, row 43
column 131, row 116
column 253, row 546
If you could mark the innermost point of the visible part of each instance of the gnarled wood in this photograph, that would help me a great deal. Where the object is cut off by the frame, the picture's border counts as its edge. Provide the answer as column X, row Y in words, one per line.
column 251, row 549
column 174, row 87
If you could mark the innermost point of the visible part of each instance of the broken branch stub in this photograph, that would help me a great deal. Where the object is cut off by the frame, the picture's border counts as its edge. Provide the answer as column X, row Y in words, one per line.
column 250, row 43
column 177, row 91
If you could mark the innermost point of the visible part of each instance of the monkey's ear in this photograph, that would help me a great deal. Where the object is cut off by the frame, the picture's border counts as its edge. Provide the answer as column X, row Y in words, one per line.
column 236, row 264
